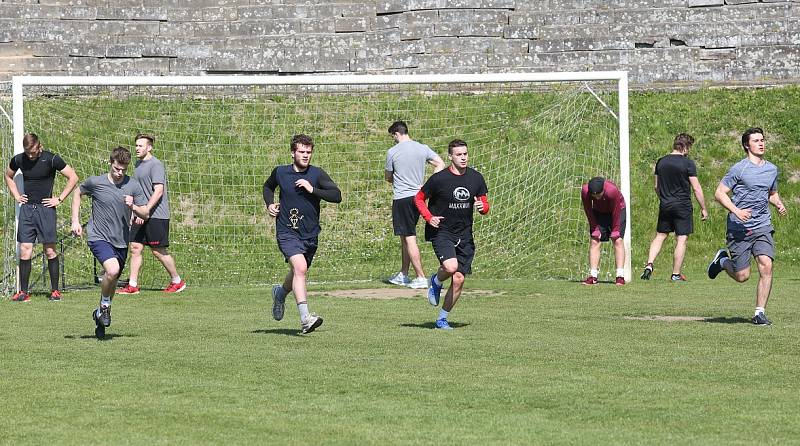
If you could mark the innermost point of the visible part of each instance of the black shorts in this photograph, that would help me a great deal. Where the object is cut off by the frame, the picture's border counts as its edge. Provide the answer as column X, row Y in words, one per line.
column 405, row 216
column 290, row 245
column 605, row 223
column 446, row 246
column 153, row 233
column 36, row 223
column 678, row 221
column 103, row 251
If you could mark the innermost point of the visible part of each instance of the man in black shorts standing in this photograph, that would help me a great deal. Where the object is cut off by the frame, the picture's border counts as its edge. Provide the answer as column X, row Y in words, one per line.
column 452, row 194
column 675, row 175
column 37, row 212
column 302, row 187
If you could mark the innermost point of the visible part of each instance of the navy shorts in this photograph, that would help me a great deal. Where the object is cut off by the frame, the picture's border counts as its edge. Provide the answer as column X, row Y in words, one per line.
column 36, row 223
column 153, row 233
column 742, row 246
column 447, row 246
column 678, row 221
column 604, row 221
column 103, row 251
column 291, row 245
column 405, row 216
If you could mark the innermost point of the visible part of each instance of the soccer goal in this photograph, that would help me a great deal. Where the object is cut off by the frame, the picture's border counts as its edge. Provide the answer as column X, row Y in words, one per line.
column 536, row 137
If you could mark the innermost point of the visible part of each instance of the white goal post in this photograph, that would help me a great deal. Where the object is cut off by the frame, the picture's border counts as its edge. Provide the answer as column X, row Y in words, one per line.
column 198, row 89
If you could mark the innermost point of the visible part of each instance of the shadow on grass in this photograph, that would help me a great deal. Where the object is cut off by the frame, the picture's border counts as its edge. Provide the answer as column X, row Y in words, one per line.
column 107, row 337
column 727, row 320
column 280, row 331
column 432, row 325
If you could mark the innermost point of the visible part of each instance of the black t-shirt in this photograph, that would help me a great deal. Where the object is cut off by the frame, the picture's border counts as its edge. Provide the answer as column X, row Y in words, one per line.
column 38, row 175
column 453, row 197
column 674, row 190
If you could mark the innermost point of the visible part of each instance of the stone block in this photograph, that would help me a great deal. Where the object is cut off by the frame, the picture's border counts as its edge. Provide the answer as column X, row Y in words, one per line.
column 153, row 66
column 362, row 10
column 116, row 67
column 176, row 29
column 702, row 3
column 416, row 32
column 220, row 14
column 521, row 32
column 202, row 3
column 211, row 29
column 470, row 29
column 124, row 51
column 474, row 15
column 279, row 27
column 86, row 50
column 350, row 24
column 421, row 18
column 387, row 22
column 140, row 28
column 318, row 26
column 143, row 13
column 79, row 13
column 33, row 64
column 184, row 65
column 739, row 2
column 255, row 13
column 654, row 16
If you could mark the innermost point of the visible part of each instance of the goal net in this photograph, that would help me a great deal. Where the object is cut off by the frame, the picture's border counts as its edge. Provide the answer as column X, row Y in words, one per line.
column 535, row 138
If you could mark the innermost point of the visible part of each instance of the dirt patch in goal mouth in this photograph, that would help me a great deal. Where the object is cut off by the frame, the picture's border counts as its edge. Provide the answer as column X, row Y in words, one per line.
column 395, row 293
column 668, row 318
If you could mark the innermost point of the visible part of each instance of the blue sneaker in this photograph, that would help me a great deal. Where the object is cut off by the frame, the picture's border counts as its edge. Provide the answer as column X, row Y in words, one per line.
column 442, row 324
column 433, row 292
column 759, row 319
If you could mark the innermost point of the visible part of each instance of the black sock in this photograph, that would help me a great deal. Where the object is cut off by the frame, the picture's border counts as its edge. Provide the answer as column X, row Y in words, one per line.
column 24, row 274
column 52, row 267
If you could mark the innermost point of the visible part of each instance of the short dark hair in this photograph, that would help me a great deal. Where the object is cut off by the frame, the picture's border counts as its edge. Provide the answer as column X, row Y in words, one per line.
column 455, row 143
column 30, row 140
column 746, row 136
column 683, row 141
column 146, row 136
column 301, row 139
column 596, row 185
column 121, row 155
column 398, row 127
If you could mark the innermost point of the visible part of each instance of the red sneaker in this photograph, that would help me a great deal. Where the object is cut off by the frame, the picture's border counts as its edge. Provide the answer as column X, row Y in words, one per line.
column 590, row 281
column 21, row 296
column 128, row 290
column 55, row 296
column 175, row 287
column 620, row 281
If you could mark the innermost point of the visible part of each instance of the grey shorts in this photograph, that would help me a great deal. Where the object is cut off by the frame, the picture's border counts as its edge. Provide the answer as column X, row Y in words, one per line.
column 36, row 223
column 742, row 247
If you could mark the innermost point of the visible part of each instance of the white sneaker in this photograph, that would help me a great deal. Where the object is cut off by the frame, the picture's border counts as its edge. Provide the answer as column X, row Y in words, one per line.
column 310, row 323
column 399, row 279
column 418, row 283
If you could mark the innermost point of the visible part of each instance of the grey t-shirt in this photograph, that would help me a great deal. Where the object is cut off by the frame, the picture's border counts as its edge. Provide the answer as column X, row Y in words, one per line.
column 110, row 217
column 152, row 172
column 751, row 185
column 406, row 161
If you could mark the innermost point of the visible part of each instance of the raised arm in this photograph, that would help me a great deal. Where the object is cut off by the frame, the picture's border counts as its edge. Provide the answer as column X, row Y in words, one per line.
column 327, row 189
column 698, row 194
column 72, row 181
column 721, row 194
column 437, row 163
column 12, row 187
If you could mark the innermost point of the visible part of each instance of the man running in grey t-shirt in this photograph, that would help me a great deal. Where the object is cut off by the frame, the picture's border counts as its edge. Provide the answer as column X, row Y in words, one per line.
column 152, row 177
column 114, row 197
column 754, row 182
column 405, row 169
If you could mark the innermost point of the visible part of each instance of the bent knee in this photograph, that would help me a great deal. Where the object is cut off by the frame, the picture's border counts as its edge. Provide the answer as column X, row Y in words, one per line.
column 458, row 277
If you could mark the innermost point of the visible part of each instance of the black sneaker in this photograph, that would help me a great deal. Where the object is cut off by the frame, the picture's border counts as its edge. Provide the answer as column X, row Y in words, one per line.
column 761, row 319
column 648, row 270
column 99, row 329
column 714, row 268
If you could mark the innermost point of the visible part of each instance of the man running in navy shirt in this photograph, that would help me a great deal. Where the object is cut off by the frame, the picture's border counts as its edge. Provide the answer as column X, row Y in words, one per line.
column 604, row 206
column 302, row 187
column 452, row 194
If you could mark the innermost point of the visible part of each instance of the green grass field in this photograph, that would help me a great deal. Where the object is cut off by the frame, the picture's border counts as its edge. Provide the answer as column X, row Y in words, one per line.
column 529, row 363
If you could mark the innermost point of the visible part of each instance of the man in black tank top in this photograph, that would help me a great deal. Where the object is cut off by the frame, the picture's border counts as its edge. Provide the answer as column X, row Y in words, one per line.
column 675, row 179
column 37, row 212
column 302, row 187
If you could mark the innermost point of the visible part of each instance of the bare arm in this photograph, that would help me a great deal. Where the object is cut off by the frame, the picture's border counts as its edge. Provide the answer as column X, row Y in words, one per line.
column 721, row 194
column 655, row 183
column 698, row 194
column 76, row 213
column 437, row 163
column 389, row 176
column 775, row 199
column 158, row 192
column 72, row 181
column 12, row 187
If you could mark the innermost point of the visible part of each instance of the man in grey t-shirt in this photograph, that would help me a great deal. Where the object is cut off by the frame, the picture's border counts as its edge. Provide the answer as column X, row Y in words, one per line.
column 405, row 169
column 154, row 232
column 754, row 182
column 114, row 197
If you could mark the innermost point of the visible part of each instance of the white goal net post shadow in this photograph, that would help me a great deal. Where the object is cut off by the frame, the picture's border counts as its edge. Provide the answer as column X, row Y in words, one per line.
column 21, row 85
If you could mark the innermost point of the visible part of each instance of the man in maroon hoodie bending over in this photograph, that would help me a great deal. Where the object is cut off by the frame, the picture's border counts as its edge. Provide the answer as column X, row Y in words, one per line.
column 604, row 206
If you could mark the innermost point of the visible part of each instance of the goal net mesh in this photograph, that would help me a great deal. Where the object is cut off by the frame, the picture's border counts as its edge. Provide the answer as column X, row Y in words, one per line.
column 535, row 143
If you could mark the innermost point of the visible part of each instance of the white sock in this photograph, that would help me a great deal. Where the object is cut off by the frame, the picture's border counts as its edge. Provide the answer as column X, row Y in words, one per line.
column 443, row 314
column 105, row 301
column 594, row 272
column 723, row 261
column 620, row 272
column 133, row 283
column 303, row 308
column 176, row 279
column 759, row 310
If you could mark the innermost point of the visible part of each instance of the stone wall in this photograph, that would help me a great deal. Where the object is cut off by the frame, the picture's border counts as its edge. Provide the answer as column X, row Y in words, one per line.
column 660, row 42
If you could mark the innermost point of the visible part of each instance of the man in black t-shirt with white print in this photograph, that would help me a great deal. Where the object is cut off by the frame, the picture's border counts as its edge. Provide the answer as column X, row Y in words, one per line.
column 37, row 211
column 451, row 194
column 675, row 178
